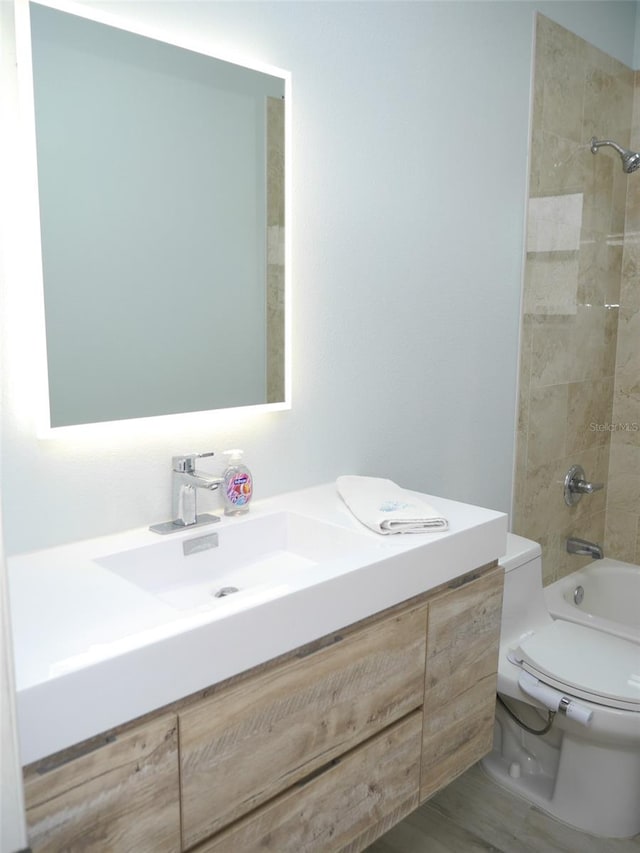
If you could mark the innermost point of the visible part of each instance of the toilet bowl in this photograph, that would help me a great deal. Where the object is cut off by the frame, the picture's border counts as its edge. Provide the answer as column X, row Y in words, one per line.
column 585, row 770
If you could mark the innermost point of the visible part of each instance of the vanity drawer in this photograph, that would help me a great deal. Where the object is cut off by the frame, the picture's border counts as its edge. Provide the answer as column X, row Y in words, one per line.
column 461, row 679
column 122, row 795
column 252, row 740
column 344, row 807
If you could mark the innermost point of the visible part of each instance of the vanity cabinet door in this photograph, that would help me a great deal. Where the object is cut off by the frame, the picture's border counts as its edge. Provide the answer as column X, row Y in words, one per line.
column 122, row 796
column 461, row 678
column 252, row 740
column 344, row 807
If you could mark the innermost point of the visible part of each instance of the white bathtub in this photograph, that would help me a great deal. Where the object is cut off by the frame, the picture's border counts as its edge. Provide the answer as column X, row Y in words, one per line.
column 611, row 599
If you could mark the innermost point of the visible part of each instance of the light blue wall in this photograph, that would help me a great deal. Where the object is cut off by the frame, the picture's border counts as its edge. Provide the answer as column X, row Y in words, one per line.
column 410, row 139
column 636, row 50
column 610, row 25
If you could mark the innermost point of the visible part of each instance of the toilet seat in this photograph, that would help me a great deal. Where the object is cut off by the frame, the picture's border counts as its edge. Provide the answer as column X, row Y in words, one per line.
column 584, row 662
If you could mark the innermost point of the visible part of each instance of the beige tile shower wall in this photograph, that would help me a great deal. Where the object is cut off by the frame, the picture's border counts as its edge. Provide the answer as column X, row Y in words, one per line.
column 622, row 536
column 571, row 289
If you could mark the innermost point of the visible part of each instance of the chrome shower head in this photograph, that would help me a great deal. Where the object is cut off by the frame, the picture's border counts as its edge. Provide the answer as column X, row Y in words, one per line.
column 630, row 159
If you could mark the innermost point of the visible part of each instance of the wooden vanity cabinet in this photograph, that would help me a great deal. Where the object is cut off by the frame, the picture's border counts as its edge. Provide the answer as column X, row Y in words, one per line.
column 120, row 795
column 461, row 679
column 249, row 742
column 320, row 751
column 345, row 807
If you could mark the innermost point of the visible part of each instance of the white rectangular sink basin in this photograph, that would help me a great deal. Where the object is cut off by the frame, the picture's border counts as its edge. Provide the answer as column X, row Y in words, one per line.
column 252, row 555
column 111, row 628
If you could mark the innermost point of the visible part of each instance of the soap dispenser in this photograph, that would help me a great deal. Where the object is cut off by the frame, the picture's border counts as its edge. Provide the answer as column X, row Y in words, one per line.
column 238, row 484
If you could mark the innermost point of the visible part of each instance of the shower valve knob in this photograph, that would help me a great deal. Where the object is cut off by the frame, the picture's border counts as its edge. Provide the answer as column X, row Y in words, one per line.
column 576, row 485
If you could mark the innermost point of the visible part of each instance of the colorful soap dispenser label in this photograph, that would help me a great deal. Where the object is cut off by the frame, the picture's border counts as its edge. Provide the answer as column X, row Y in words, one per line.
column 239, row 488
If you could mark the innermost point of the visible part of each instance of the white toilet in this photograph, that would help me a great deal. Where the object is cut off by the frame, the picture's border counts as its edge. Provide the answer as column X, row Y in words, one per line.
column 585, row 770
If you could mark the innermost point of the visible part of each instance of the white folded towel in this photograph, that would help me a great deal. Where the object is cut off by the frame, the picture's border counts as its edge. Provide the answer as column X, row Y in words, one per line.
column 386, row 508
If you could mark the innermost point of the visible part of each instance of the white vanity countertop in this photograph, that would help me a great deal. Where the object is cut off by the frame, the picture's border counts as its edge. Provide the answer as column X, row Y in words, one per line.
column 93, row 650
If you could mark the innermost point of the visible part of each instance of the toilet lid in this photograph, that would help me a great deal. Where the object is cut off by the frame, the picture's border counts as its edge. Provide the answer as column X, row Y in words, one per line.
column 585, row 662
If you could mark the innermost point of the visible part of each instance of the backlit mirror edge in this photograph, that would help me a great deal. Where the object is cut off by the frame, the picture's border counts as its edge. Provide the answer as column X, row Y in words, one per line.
column 164, row 423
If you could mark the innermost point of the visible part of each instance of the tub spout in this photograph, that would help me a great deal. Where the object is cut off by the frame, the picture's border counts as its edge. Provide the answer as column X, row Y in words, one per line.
column 584, row 548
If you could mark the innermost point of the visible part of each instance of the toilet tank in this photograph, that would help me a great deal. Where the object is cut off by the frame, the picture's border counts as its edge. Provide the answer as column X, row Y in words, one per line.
column 523, row 606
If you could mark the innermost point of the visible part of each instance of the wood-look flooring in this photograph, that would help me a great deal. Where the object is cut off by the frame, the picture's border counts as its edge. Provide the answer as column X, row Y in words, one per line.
column 475, row 815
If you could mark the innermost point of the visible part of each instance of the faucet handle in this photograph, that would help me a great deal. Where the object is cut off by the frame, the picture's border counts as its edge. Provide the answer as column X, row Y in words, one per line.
column 186, row 464
column 584, row 488
column 576, row 485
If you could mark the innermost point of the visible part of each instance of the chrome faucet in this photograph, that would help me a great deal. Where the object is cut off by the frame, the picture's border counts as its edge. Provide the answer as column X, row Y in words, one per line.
column 185, row 480
column 584, row 548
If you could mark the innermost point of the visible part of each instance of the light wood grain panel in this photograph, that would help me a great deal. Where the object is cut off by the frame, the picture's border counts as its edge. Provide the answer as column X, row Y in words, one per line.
column 343, row 808
column 461, row 675
column 123, row 796
column 250, row 742
column 475, row 815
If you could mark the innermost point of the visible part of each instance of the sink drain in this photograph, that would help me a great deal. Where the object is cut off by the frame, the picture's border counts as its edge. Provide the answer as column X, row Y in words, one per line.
column 225, row 590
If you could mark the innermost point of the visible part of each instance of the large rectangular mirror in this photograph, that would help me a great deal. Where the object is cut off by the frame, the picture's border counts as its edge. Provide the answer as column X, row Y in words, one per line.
column 161, row 179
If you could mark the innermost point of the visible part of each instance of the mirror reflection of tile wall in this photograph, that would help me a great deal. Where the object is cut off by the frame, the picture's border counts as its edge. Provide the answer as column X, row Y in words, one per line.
column 569, row 399
column 275, row 251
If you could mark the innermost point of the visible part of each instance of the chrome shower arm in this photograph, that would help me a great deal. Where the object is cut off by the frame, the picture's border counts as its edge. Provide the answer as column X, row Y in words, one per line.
column 598, row 143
